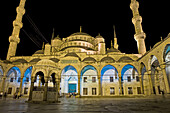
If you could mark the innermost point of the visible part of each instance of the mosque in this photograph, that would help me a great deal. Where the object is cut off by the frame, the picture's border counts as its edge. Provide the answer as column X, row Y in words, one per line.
column 81, row 64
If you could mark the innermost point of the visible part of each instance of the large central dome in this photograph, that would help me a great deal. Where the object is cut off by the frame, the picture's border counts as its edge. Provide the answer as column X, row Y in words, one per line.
column 79, row 33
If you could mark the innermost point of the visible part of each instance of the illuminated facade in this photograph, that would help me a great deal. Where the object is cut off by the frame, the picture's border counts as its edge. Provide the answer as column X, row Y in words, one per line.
column 80, row 63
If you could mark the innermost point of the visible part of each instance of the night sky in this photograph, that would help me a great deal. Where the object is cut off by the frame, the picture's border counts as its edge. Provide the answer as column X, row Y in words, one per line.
column 66, row 17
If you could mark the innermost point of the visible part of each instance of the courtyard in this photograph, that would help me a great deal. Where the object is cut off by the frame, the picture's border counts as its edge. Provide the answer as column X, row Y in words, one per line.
column 89, row 105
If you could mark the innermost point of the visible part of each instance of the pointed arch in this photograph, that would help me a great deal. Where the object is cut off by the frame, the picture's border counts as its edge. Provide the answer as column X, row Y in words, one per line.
column 128, row 70
column 14, row 73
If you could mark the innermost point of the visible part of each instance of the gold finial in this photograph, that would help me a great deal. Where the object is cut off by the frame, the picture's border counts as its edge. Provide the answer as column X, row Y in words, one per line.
column 80, row 29
column 161, row 38
column 150, row 47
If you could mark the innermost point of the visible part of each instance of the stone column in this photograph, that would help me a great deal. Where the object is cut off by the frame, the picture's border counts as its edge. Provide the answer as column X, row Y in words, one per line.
column 165, row 78
column 150, row 81
column 31, row 88
column 141, row 82
column 99, row 86
column 56, row 86
column 120, row 85
column 141, row 85
column 3, row 84
column 45, row 89
column 20, row 88
column 79, row 84
column 156, row 82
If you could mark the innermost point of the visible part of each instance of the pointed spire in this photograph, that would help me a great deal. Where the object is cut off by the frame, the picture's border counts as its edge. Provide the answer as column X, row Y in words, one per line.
column 53, row 34
column 115, row 39
column 114, row 31
column 43, row 46
column 80, row 29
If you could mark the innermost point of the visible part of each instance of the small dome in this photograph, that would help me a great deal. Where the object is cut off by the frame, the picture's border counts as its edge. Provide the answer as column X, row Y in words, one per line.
column 99, row 36
column 20, row 61
column 35, row 60
column 72, row 54
column 125, row 59
column 89, row 59
column 55, row 60
column 113, row 50
column 39, row 52
column 107, row 59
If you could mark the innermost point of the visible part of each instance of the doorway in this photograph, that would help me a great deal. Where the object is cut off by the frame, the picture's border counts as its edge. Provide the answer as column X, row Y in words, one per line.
column 72, row 88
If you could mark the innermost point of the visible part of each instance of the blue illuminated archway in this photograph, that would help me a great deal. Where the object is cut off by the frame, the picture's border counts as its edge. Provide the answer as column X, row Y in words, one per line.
column 109, row 70
column 14, row 73
column 27, row 75
column 69, row 80
column 126, row 68
column 67, row 68
column 86, row 68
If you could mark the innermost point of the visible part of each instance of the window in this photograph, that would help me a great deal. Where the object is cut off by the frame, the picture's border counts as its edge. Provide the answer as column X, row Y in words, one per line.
column 85, row 79
column 130, row 91
column 19, row 79
column 85, row 91
column 12, row 80
column 9, row 90
column 139, row 90
column 129, row 79
column 111, row 79
column 93, row 91
column 93, row 79
column 25, row 90
column 17, row 89
column 115, row 76
column 112, row 91
column 137, row 79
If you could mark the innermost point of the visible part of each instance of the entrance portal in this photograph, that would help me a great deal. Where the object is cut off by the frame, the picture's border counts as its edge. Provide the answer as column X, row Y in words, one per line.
column 72, row 88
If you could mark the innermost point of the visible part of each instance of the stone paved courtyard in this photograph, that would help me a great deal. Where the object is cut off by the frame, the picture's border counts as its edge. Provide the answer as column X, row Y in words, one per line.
column 88, row 105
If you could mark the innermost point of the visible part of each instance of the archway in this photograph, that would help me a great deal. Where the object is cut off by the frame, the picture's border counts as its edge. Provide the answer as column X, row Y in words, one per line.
column 39, row 81
column 145, row 79
column 13, row 81
column 156, row 76
column 130, row 80
column 109, row 80
column 27, row 80
column 69, row 80
column 89, row 81
column 52, row 82
column 167, row 61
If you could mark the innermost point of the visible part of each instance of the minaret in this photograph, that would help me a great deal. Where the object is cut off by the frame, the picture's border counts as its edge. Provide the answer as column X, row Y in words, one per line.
column 17, row 25
column 137, row 21
column 115, row 39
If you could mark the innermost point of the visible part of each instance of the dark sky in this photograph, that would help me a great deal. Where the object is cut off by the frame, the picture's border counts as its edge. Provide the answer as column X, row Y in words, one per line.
column 94, row 17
